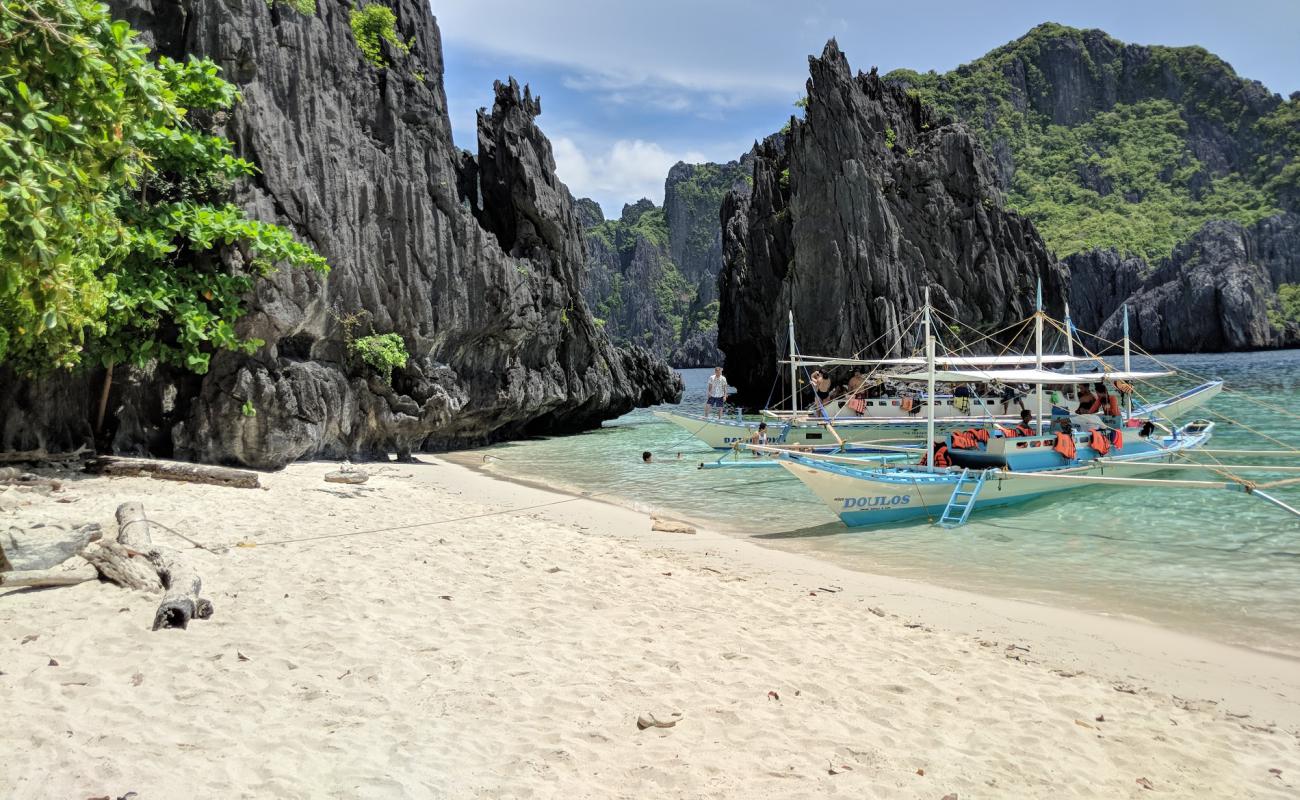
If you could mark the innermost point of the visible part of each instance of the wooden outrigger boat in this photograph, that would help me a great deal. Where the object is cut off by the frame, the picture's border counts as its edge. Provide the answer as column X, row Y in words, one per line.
column 1005, row 468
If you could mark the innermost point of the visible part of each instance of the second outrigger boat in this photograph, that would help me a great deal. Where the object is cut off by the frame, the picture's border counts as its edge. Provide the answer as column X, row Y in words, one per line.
column 861, row 422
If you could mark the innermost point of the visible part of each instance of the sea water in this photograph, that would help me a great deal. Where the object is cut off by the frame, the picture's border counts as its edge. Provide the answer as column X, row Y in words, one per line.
column 1215, row 563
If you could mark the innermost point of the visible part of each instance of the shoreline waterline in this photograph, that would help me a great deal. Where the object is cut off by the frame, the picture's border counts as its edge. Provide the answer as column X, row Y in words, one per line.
column 1221, row 566
column 1118, row 647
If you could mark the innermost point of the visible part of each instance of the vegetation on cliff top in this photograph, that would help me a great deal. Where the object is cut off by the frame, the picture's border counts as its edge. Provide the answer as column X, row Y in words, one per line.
column 1121, row 175
column 111, row 199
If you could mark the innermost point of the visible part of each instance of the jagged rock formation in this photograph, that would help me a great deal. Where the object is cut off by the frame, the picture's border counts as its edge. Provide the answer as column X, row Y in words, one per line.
column 474, row 261
column 1100, row 282
column 1216, row 292
column 652, row 274
column 871, row 199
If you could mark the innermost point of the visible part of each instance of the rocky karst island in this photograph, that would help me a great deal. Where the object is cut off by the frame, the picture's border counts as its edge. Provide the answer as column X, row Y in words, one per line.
column 469, row 400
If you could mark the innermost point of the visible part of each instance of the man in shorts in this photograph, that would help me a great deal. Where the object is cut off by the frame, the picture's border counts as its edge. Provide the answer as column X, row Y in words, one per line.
column 716, row 396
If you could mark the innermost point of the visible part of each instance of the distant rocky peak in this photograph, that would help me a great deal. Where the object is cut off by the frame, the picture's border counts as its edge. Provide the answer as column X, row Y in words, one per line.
column 633, row 211
column 589, row 212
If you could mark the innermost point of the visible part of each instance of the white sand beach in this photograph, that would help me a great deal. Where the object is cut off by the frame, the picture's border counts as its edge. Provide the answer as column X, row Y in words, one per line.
column 438, row 633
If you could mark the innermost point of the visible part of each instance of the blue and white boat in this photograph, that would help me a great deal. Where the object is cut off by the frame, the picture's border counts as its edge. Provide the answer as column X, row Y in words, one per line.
column 990, row 467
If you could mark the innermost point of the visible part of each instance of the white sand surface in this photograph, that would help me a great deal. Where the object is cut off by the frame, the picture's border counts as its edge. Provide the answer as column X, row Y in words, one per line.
column 438, row 633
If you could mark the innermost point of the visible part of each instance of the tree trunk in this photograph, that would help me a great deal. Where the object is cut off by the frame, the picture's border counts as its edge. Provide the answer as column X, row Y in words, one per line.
column 181, row 602
column 174, row 471
column 103, row 400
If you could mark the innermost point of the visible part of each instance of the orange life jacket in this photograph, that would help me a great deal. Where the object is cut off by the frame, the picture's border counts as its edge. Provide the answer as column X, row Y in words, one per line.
column 964, row 440
column 1007, row 433
column 1112, row 405
column 1024, row 430
column 1099, row 443
column 907, row 404
column 1117, row 438
column 941, row 458
column 1065, row 445
column 980, row 435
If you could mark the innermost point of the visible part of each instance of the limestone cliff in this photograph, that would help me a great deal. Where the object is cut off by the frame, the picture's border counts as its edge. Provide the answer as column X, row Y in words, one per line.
column 1217, row 292
column 652, row 274
column 473, row 260
column 862, row 205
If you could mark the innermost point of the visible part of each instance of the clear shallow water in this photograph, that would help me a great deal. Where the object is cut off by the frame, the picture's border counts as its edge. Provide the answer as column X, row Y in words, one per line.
column 1220, row 564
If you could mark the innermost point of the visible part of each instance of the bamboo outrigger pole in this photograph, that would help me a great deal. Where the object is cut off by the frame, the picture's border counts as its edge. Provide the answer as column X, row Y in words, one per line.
column 1038, row 349
column 929, row 392
column 794, row 371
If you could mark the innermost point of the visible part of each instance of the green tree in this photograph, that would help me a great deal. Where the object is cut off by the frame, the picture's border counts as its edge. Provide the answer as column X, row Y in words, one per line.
column 112, row 199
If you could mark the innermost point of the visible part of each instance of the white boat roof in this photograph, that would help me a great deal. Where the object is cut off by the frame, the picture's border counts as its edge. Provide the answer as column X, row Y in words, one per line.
column 1032, row 376
column 951, row 361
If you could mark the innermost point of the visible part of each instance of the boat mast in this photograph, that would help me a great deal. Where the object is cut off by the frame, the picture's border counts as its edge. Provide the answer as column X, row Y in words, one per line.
column 1069, row 337
column 794, row 370
column 929, row 396
column 1128, row 398
column 1038, row 348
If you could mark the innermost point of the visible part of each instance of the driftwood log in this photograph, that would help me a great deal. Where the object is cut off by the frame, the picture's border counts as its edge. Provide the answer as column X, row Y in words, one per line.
column 135, row 561
column 42, row 546
column 41, row 457
column 69, row 573
column 174, row 471
column 354, row 477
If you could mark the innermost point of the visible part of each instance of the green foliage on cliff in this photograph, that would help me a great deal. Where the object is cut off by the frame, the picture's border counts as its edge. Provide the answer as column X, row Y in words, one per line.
column 372, row 25
column 1126, row 176
column 111, row 197
column 305, row 7
column 382, row 351
column 1288, row 300
column 1125, row 179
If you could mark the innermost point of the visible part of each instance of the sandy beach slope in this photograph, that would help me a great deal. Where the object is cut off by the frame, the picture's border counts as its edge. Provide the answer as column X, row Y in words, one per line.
column 408, row 639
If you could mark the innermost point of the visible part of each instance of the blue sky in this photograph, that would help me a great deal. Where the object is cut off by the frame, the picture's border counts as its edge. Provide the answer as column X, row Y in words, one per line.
column 629, row 88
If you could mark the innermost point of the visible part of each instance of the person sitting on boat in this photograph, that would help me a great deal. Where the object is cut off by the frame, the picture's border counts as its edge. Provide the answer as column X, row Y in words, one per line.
column 1110, row 405
column 759, row 437
column 821, row 386
column 856, row 382
column 717, row 393
column 1026, row 425
column 1088, row 402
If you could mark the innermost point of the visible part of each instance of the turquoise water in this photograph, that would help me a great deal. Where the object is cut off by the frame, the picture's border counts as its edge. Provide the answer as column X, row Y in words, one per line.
column 1219, row 564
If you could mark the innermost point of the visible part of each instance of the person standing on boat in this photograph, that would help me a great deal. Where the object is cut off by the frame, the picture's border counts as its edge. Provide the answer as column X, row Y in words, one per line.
column 717, row 393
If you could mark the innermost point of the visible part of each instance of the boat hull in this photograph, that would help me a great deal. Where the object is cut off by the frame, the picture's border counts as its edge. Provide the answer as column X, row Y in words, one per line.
column 865, row 497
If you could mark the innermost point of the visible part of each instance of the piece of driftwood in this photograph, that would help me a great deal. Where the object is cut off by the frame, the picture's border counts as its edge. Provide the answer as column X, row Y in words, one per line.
column 174, row 471
column 41, row 457
column 670, row 525
column 346, row 476
column 180, row 581
column 12, row 476
column 69, row 573
column 42, row 546
column 118, row 563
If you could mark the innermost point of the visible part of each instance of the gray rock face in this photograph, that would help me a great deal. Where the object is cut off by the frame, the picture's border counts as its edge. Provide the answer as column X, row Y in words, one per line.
column 873, row 200
column 474, row 261
column 1215, row 292
column 652, row 274
column 1100, row 281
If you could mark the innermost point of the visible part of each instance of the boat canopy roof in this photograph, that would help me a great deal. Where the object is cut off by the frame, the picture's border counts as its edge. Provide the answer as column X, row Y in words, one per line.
column 951, row 361
column 1032, row 376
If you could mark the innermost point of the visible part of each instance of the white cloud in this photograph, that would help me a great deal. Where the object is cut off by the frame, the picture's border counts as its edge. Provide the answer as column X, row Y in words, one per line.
column 619, row 172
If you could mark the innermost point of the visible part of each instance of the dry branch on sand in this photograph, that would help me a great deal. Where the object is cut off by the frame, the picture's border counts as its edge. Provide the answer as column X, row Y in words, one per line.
column 174, row 471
